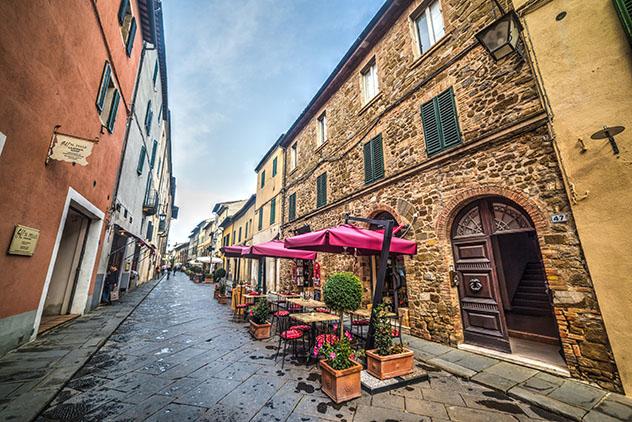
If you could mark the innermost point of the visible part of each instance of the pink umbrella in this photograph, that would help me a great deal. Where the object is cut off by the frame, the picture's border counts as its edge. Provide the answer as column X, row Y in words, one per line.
column 233, row 251
column 347, row 238
column 276, row 249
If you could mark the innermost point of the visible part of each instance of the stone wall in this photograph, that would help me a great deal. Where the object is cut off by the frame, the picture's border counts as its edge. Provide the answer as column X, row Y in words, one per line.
column 506, row 151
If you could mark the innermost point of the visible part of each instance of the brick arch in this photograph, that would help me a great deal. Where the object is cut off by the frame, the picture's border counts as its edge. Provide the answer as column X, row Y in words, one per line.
column 378, row 208
column 531, row 206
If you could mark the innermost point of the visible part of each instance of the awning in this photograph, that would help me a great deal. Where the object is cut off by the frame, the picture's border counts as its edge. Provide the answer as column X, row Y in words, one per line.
column 276, row 249
column 347, row 238
column 233, row 251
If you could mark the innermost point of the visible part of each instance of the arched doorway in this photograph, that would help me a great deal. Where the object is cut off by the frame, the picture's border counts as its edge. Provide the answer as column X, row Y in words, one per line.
column 505, row 301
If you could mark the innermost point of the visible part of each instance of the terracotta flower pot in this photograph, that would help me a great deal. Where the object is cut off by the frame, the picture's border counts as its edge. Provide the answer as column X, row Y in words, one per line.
column 384, row 367
column 341, row 385
column 260, row 331
column 221, row 299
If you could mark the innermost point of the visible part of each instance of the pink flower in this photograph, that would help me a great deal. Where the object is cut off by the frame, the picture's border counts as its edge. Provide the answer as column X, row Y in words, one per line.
column 332, row 356
column 348, row 335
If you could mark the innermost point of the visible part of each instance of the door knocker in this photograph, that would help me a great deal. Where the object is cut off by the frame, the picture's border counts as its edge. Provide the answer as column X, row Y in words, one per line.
column 475, row 285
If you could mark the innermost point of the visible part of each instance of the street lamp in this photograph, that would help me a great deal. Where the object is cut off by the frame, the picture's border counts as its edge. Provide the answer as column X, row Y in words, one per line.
column 501, row 37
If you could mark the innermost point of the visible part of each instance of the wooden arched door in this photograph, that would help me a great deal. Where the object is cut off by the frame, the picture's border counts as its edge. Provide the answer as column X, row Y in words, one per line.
column 484, row 322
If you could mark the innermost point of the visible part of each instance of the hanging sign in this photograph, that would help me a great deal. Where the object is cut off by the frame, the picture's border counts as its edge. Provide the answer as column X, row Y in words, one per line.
column 24, row 241
column 70, row 149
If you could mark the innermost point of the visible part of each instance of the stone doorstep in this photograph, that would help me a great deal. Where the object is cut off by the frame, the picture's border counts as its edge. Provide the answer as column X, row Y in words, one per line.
column 521, row 390
column 373, row 385
column 30, row 409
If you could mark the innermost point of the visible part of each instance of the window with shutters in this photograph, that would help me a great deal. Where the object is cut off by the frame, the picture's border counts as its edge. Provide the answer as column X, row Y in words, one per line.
column 108, row 98
column 154, row 149
column 293, row 156
column 370, row 87
column 150, row 230
column 373, row 160
column 429, row 26
column 272, row 211
column 624, row 9
column 274, row 167
column 141, row 160
column 292, row 207
column 239, row 235
column 155, row 77
column 260, row 226
column 263, row 179
column 441, row 123
column 321, row 190
column 149, row 115
column 128, row 25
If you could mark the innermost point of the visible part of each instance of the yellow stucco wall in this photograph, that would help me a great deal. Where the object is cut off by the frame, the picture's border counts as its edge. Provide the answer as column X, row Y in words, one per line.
column 584, row 63
column 271, row 189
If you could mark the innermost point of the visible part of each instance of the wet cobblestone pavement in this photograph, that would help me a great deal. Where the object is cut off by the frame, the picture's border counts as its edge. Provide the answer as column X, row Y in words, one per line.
column 180, row 357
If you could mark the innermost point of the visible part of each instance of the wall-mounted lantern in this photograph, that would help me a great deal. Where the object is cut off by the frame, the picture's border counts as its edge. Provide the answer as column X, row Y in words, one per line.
column 501, row 37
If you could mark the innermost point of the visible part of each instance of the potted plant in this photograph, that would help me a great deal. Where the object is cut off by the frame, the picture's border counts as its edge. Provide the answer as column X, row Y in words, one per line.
column 218, row 274
column 259, row 324
column 387, row 360
column 340, row 373
column 221, row 297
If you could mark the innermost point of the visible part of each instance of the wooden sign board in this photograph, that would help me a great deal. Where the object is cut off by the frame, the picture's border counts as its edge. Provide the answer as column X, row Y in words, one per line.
column 24, row 241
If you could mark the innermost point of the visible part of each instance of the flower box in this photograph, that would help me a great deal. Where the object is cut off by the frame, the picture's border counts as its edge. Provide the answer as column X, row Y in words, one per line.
column 221, row 299
column 390, row 366
column 340, row 385
column 260, row 331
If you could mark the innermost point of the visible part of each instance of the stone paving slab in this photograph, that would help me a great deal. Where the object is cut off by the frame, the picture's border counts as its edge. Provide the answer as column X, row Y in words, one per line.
column 32, row 375
column 567, row 397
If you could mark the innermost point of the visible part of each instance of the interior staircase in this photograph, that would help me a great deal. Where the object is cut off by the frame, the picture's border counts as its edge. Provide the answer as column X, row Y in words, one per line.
column 531, row 297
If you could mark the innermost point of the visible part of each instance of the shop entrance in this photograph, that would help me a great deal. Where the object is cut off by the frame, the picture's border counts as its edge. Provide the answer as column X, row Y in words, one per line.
column 504, row 297
column 66, row 270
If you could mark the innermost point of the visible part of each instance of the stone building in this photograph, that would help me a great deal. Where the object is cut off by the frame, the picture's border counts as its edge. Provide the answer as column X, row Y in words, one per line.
column 418, row 123
column 584, row 67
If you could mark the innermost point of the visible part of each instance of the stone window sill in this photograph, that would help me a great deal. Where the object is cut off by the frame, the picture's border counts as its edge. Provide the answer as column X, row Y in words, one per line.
column 422, row 58
column 370, row 103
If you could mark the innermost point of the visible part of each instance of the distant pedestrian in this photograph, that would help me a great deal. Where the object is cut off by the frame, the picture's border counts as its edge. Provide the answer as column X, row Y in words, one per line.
column 109, row 282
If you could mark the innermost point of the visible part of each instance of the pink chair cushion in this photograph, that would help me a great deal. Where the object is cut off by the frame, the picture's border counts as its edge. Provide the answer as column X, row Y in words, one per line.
column 242, row 305
column 325, row 310
column 395, row 332
column 281, row 313
column 303, row 327
column 291, row 334
column 294, row 308
column 360, row 322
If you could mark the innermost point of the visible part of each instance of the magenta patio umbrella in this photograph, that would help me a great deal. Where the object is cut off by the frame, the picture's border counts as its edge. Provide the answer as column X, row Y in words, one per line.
column 276, row 249
column 347, row 238
column 233, row 251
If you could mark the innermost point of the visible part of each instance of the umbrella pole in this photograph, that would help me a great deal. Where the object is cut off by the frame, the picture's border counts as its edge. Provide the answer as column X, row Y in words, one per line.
column 381, row 275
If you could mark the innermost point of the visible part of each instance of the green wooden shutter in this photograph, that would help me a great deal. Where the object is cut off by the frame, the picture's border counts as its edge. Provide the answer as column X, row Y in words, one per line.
column 116, row 97
column 624, row 9
column 448, row 118
column 130, row 37
column 377, row 157
column 263, row 178
column 292, row 207
column 122, row 11
column 272, row 210
column 261, row 218
column 430, row 122
column 154, row 149
column 141, row 160
column 321, row 190
column 103, row 89
column 274, row 167
column 368, row 163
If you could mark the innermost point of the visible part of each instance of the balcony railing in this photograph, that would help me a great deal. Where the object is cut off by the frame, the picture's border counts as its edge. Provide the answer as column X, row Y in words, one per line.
column 150, row 206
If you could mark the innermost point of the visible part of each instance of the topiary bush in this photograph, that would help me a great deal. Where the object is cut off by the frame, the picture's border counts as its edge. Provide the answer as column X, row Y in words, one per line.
column 342, row 293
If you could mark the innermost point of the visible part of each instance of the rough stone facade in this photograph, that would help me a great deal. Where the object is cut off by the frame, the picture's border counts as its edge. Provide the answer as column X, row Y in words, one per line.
column 505, row 151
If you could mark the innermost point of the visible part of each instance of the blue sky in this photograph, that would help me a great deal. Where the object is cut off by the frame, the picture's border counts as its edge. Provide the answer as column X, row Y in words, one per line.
column 240, row 72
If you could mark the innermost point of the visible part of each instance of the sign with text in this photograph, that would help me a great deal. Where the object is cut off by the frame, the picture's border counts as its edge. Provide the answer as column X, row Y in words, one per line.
column 71, row 149
column 24, row 241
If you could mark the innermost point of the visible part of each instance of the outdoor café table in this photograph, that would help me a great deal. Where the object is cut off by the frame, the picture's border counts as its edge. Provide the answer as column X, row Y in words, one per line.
column 308, row 303
column 312, row 318
column 248, row 296
column 366, row 313
column 283, row 297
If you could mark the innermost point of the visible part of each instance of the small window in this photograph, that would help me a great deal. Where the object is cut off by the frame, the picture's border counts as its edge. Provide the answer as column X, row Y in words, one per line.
column 150, row 230
column 274, row 167
column 293, row 156
column 441, row 123
column 321, row 136
column 429, row 26
column 369, row 82
column 240, row 233
column 321, row 190
column 272, row 211
column 373, row 160
column 108, row 98
column 141, row 160
column 127, row 22
column 155, row 77
column 292, row 207
column 149, row 115
column 260, row 226
column 246, row 231
column 154, row 149
column 263, row 179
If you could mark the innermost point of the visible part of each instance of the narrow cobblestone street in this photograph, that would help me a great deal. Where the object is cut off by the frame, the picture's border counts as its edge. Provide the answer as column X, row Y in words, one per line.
column 180, row 357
